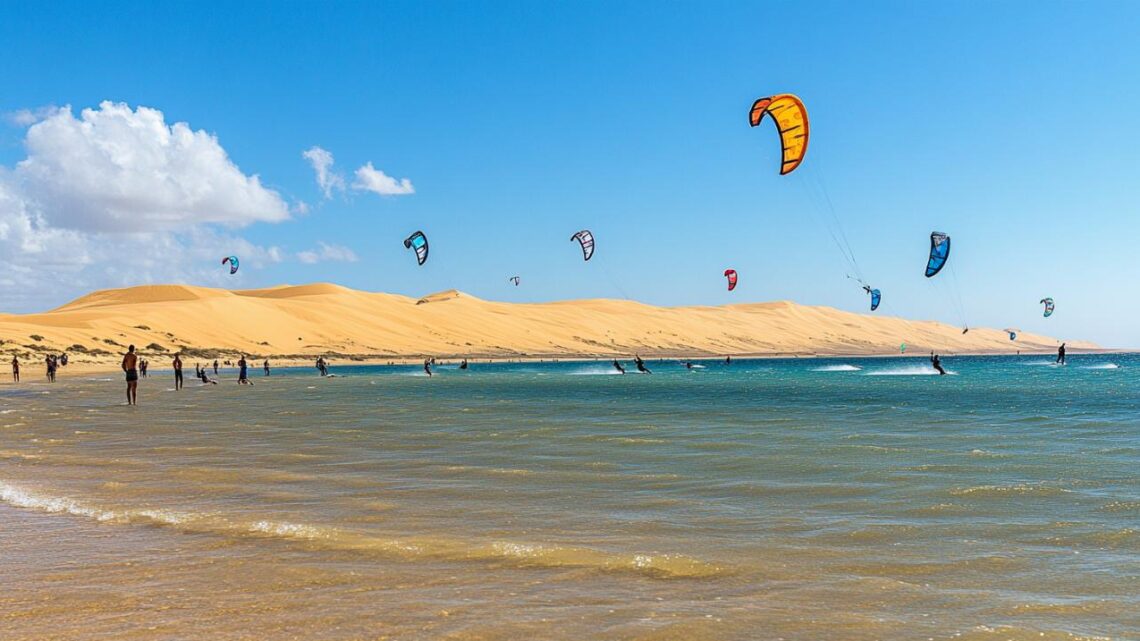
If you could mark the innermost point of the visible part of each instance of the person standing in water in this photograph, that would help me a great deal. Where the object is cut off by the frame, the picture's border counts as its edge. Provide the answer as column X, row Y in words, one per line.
column 15, row 369
column 266, row 366
column 640, row 365
column 937, row 363
column 242, row 375
column 178, row 371
column 131, row 367
column 618, row 366
column 215, row 367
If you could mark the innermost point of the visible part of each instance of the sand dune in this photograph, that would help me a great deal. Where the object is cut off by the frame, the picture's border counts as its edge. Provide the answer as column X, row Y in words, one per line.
column 294, row 322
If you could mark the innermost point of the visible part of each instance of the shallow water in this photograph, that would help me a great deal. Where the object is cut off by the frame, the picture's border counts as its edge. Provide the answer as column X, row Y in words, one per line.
column 795, row 499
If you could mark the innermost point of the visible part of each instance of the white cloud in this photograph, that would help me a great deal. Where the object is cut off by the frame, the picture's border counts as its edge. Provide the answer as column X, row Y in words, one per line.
column 117, row 170
column 368, row 178
column 322, row 162
column 327, row 252
column 29, row 117
column 118, row 198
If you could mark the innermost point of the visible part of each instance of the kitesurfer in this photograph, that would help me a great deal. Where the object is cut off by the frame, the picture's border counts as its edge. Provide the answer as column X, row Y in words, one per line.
column 427, row 366
column 618, row 367
column 1061, row 354
column 463, row 365
column 937, row 363
column 640, row 365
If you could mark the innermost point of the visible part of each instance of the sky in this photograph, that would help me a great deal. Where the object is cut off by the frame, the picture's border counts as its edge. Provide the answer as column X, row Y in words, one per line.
column 143, row 142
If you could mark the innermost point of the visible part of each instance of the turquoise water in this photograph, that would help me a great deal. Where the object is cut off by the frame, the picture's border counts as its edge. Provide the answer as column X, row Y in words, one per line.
column 796, row 499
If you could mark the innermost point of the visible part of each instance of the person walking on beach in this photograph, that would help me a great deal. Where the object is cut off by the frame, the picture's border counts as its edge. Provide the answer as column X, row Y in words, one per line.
column 142, row 367
column 215, row 367
column 51, row 367
column 15, row 369
column 178, row 371
column 1061, row 354
column 131, row 367
column 937, row 363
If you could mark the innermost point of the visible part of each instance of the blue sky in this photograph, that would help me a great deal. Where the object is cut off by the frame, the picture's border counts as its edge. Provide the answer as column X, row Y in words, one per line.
column 1011, row 126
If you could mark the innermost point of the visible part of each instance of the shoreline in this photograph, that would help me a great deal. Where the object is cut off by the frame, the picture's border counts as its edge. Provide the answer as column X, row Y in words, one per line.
column 81, row 368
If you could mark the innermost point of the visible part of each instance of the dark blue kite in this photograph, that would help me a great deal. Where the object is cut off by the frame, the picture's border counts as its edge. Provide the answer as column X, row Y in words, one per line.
column 419, row 242
column 939, row 253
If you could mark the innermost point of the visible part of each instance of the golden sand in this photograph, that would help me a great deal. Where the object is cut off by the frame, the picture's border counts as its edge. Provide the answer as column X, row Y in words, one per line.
column 293, row 323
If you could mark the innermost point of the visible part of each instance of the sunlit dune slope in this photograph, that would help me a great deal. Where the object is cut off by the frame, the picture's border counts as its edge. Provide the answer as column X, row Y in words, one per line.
column 297, row 321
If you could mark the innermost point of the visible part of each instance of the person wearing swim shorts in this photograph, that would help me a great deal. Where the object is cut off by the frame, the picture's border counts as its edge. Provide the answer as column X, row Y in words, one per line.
column 177, row 371
column 131, row 367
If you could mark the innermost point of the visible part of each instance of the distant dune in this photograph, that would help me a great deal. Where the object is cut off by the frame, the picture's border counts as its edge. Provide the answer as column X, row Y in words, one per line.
column 298, row 322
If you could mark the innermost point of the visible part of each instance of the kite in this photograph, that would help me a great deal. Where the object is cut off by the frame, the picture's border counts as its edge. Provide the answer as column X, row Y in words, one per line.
column 587, row 240
column 420, row 243
column 233, row 261
column 515, row 280
column 1012, row 334
column 876, row 296
column 902, row 348
column 1048, row 303
column 939, row 253
column 791, row 120
column 730, row 274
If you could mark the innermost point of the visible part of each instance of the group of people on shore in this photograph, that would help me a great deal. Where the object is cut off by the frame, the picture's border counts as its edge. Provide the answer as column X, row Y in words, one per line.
column 52, row 362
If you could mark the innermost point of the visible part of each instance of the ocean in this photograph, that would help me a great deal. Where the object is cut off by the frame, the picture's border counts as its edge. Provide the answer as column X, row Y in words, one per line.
column 796, row 499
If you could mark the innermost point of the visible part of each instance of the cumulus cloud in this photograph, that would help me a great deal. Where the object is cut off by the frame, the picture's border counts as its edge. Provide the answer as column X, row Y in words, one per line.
column 28, row 117
column 114, row 169
column 322, row 162
column 369, row 178
column 117, row 198
column 327, row 252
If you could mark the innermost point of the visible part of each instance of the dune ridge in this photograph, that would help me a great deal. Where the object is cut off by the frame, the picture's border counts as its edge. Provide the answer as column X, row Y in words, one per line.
column 298, row 321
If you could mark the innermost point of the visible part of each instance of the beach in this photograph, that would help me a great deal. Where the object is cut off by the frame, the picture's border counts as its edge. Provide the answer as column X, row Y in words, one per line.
column 854, row 498
column 295, row 324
